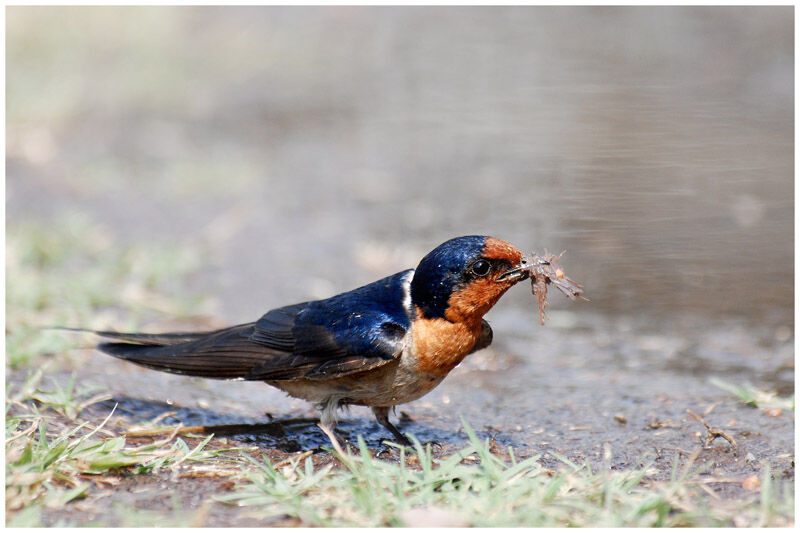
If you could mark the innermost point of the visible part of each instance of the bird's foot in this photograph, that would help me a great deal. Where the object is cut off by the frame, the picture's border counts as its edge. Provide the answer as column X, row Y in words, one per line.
column 339, row 443
column 396, row 440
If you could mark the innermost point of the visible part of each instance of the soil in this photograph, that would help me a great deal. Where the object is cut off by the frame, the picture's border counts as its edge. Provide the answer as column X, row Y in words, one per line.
column 575, row 387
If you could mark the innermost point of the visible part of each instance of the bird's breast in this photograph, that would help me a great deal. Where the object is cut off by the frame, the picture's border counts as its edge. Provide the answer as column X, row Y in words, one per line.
column 438, row 345
column 433, row 347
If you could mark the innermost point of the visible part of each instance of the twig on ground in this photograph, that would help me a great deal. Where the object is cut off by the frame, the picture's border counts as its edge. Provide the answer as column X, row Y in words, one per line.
column 712, row 432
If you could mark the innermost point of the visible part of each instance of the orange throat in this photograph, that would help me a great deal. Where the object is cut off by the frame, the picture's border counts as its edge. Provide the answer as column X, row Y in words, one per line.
column 440, row 345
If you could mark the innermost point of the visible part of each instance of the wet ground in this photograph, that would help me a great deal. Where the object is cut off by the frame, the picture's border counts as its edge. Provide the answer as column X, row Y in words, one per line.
column 574, row 387
column 306, row 152
column 570, row 388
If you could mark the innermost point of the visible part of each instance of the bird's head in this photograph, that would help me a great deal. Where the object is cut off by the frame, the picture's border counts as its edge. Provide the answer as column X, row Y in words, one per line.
column 461, row 279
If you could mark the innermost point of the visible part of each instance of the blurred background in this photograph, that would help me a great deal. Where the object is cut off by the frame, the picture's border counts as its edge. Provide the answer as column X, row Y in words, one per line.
column 193, row 167
column 306, row 151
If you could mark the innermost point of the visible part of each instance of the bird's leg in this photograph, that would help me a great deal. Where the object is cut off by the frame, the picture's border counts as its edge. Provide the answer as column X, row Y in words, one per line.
column 327, row 423
column 382, row 415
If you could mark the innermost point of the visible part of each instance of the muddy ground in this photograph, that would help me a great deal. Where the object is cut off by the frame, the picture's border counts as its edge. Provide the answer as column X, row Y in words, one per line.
column 573, row 387
column 306, row 152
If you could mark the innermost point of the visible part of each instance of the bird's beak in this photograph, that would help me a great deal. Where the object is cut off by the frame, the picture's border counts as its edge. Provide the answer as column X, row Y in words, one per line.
column 519, row 272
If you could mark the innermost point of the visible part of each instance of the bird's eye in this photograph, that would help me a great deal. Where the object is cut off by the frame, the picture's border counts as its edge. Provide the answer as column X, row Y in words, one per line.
column 480, row 267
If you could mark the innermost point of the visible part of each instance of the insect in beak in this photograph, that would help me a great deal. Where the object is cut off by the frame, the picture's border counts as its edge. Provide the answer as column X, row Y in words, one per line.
column 527, row 266
column 543, row 271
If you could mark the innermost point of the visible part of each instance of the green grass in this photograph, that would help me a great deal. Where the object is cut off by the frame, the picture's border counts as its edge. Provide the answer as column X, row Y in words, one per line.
column 51, row 456
column 475, row 487
column 750, row 395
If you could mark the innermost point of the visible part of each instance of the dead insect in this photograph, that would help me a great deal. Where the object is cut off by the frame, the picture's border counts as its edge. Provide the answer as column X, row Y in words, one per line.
column 544, row 270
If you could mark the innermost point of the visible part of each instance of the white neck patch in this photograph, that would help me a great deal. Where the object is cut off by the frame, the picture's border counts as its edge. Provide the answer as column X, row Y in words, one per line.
column 407, row 294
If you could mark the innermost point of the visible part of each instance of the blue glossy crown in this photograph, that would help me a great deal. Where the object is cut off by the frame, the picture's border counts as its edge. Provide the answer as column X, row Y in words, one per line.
column 442, row 271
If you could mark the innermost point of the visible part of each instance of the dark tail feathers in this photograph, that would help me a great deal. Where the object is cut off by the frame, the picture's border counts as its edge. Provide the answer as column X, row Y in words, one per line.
column 222, row 354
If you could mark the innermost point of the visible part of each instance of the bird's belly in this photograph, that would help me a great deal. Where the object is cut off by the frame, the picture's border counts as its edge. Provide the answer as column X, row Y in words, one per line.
column 396, row 382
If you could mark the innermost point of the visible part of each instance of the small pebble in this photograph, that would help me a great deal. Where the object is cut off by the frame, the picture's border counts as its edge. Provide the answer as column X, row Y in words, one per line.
column 751, row 483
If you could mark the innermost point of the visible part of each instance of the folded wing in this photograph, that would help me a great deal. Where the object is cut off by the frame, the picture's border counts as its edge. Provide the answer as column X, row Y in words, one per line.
column 346, row 334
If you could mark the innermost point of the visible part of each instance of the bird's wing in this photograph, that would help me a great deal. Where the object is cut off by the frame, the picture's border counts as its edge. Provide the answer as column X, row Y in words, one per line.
column 352, row 332
column 320, row 342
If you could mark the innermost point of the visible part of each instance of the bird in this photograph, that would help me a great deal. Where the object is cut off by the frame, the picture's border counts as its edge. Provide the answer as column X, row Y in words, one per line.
column 380, row 345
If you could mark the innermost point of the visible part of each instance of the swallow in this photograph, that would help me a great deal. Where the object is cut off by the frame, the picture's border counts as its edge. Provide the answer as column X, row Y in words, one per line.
column 387, row 343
